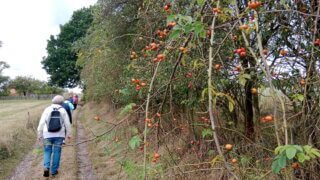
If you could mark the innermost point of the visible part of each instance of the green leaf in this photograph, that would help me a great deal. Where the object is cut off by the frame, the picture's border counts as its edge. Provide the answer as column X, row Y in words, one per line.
column 188, row 19
column 275, row 167
column 277, row 150
column 125, row 92
column 300, row 97
column 171, row 18
column 198, row 27
column 315, row 152
column 312, row 155
column 207, row 132
column 242, row 81
column 214, row 102
column 231, row 106
column 247, row 76
column 174, row 34
column 299, row 148
column 134, row 142
column 127, row 109
column 203, row 94
column 188, row 28
column 291, row 152
column 200, row 2
column 282, row 161
column 307, row 148
column 301, row 157
column 307, row 157
column 231, row 103
column 243, row 78
column 233, row 2
column 202, row 34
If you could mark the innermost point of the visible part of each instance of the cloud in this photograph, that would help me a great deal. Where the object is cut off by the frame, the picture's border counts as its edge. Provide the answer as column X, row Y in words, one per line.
column 25, row 28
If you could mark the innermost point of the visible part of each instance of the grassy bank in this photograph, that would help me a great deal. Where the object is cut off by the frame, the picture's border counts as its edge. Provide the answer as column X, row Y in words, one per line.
column 107, row 151
column 19, row 120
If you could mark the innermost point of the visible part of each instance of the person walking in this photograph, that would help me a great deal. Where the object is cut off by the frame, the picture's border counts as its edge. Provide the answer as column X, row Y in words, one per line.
column 69, row 101
column 68, row 107
column 75, row 101
column 53, row 123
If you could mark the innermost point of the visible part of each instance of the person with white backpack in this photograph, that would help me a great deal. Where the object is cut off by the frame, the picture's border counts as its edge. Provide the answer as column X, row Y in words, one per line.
column 54, row 127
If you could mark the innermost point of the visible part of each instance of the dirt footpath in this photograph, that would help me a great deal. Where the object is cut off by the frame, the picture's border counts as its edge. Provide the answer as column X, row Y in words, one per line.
column 74, row 163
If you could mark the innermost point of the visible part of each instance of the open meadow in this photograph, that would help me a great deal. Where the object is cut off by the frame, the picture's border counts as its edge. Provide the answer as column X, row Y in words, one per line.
column 18, row 119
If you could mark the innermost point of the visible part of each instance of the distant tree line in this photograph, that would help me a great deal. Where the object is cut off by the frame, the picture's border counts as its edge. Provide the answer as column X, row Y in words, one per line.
column 24, row 85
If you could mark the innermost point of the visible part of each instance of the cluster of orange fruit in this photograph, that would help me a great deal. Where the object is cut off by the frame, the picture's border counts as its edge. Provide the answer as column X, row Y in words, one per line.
column 172, row 24
column 153, row 46
column 254, row 91
column 237, row 68
column 189, row 75
column 205, row 120
column 217, row 66
column 209, row 33
column 156, row 157
column 228, row 147
column 267, row 119
column 244, row 27
column 183, row 50
column 163, row 34
column 216, row 10
column 167, row 7
column 241, row 51
column 283, row 52
column 160, row 57
column 97, row 118
column 254, row 4
column 149, row 121
column 138, row 83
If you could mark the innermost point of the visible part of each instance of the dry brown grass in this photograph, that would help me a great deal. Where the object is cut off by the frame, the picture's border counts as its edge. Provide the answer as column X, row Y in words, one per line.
column 17, row 130
column 105, row 153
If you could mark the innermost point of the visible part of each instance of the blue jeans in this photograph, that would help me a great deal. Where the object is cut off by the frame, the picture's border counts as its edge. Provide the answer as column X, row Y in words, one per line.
column 49, row 143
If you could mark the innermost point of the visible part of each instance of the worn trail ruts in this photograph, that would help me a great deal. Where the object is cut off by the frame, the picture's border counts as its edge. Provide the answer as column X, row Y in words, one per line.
column 31, row 167
column 85, row 170
column 24, row 166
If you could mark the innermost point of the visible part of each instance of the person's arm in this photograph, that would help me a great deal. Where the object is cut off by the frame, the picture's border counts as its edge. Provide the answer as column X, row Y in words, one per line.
column 42, row 122
column 67, row 123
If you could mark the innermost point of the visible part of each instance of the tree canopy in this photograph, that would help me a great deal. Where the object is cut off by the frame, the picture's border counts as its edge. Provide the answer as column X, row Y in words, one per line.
column 60, row 62
column 3, row 79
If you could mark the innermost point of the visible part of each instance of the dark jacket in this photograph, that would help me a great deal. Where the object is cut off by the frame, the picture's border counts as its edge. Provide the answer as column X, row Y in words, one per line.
column 67, row 108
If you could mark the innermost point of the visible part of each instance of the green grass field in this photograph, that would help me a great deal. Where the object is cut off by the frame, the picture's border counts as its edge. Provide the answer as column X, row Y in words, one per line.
column 16, row 138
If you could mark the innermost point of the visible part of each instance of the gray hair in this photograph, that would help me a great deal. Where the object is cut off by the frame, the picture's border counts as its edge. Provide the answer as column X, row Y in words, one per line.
column 58, row 99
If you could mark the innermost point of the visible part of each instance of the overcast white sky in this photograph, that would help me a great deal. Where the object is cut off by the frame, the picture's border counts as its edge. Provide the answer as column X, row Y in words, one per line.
column 25, row 27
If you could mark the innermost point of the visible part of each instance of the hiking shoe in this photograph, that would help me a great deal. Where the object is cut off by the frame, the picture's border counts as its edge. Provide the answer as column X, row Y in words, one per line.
column 46, row 173
column 56, row 173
